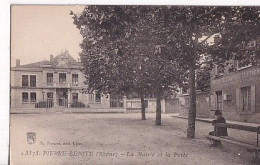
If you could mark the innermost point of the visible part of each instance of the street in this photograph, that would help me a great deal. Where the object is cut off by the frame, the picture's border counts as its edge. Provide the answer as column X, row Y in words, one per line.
column 110, row 138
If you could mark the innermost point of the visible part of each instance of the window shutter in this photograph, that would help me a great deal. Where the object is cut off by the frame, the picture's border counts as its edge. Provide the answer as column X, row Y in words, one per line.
column 213, row 101
column 252, row 108
column 238, row 98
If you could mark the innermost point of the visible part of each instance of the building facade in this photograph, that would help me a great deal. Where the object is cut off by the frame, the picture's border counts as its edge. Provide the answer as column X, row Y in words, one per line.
column 57, row 83
column 236, row 94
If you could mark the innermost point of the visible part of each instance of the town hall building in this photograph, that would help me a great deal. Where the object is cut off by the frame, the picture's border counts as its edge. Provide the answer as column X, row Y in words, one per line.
column 56, row 83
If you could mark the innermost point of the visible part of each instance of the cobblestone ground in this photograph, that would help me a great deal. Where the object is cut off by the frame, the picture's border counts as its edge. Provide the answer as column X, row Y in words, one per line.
column 115, row 139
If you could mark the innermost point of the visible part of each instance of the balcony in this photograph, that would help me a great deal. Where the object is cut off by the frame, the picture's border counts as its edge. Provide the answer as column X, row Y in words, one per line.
column 62, row 85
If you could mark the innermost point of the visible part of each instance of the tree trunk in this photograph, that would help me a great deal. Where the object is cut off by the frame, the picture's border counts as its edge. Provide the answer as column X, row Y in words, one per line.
column 143, row 107
column 192, row 96
column 158, row 109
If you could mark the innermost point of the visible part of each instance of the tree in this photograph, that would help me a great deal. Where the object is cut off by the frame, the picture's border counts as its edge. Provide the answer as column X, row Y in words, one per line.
column 190, row 29
column 203, row 79
column 177, row 35
column 123, row 45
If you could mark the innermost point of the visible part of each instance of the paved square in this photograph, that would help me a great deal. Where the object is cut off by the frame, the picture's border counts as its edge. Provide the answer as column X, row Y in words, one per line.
column 113, row 139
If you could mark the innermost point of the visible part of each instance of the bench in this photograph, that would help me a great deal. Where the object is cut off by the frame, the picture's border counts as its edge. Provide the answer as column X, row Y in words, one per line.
column 251, row 147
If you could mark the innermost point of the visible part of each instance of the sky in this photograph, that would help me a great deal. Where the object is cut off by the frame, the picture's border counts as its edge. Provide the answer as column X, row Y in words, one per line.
column 38, row 31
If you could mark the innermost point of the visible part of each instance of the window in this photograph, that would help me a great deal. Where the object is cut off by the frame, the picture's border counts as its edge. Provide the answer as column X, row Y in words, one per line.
column 49, row 78
column 25, row 82
column 62, row 77
column 74, row 97
column 98, row 97
column 219, row 100
column 33, row 97
column 75, row 79
column 245, row 99
column 25, row 97
column 32, row 80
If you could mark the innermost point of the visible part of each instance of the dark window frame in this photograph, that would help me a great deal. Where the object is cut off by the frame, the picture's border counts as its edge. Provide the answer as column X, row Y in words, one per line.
column 245, row 99
column 33, row 100
column 24, row 100
column 75, row 79
column 25, row 81
column 32, row 83
column 49, row 78
column 62, row 79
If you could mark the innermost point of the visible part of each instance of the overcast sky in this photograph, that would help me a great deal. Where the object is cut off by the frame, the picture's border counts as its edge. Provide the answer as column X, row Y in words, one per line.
column 38, row 31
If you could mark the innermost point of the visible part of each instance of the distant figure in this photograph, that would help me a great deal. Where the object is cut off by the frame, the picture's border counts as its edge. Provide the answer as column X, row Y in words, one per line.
column 218, row 131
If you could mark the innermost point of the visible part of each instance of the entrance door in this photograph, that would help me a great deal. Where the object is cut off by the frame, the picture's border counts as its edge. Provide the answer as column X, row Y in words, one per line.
column 49, row 99
column 62, row 97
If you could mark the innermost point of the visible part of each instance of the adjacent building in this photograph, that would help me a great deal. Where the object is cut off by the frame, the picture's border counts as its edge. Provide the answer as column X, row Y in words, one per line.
column 236, row 94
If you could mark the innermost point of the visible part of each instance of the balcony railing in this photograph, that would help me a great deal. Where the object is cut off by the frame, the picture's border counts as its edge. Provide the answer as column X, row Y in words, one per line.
column 64, row 85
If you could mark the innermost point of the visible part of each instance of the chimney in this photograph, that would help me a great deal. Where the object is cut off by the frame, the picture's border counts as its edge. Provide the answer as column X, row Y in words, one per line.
column 51, row 57
column 18, row 62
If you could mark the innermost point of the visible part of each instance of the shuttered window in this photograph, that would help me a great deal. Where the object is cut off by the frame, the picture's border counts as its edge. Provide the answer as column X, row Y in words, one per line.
column 245, row 99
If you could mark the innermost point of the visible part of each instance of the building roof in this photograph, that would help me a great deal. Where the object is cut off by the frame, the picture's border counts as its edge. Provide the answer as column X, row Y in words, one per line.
column 64, row 60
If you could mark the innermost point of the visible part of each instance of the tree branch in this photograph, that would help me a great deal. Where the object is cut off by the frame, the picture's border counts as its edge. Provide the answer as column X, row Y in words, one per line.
column 202, row 42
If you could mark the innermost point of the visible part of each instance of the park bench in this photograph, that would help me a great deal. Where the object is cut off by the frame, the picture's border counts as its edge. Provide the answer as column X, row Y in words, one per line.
column 251, row 147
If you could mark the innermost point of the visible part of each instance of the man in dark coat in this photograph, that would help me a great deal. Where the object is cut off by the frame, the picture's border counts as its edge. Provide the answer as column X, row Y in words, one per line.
column 218, row 131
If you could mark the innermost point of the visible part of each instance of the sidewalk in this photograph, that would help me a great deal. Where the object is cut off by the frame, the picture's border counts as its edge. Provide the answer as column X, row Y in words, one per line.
column 209, row 120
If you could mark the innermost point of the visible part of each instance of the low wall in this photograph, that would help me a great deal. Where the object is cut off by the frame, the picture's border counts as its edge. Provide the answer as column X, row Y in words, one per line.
column 67, row 110
column 27, row 110
column 134, row 105
column 181, row 105
column 94, row 110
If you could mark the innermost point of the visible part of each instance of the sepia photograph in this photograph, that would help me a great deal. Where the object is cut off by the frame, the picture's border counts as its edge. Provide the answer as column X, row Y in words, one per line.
column 134, row 85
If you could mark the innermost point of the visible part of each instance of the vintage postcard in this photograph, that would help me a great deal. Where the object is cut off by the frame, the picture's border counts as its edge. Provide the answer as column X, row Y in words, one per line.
column 134, row 85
